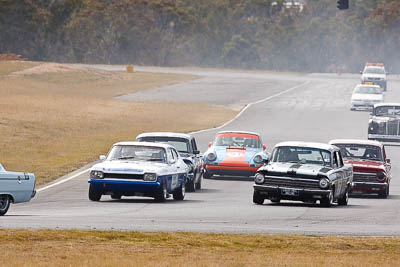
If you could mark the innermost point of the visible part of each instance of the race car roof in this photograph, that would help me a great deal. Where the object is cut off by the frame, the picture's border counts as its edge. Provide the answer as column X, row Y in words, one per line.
column 307, row 144
column 164, row 134
column 238, row 132
column 386, row 104
column 150, row 144
column 356, row 141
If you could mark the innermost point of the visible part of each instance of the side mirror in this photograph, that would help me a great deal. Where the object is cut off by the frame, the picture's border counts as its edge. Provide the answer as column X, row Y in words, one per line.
column 387, row 160
column 266, row 161
column 264, row 147
column 196, row 152
column 102, row 157
column 361, row 72
column 209, row 144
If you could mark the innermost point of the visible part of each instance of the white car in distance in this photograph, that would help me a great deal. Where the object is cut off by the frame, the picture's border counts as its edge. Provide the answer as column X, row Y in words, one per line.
column 365, row 96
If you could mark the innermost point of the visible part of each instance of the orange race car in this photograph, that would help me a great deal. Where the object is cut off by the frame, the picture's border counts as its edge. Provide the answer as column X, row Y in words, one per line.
column 235, row 153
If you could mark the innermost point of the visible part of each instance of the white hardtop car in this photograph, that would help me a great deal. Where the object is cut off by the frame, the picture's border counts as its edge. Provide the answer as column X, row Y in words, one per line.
column 139, row 169
column 374, row 73
column 365, row 96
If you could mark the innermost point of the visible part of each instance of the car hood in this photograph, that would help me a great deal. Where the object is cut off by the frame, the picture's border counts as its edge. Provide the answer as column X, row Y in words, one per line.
column 283, row 169
column 378, row 97
column 233, row 154
column 360, row 165
column 384, row 118
column 136, row 167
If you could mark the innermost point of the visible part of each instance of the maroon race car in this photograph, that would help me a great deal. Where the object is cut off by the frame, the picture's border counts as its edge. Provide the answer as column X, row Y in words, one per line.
column 371, row 168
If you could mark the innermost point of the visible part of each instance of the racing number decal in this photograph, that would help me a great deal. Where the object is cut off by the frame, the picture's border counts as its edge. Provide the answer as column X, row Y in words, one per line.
column 174, row 181
column 235, row 154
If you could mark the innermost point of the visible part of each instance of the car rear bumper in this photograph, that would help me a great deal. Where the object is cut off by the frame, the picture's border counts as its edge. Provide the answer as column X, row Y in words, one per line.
column 387, row 138
column 124, row 187
column 368, row 188
column 302, row 194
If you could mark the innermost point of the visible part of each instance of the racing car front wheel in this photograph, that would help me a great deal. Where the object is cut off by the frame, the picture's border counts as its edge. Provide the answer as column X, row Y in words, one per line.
column 161, row 194
column 94, row 194
column 207, row 175
column 180, row 192
column 258, row 198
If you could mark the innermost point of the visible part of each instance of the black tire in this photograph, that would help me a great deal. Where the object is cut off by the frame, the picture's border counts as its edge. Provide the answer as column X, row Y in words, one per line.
column 344, row 200
column 207, row 175
column 115, row 196
column 198, row 184
column 385, row 194
column 191, row 187
column 327, row 201
column 275, row 200
column 5, row 202
column 94, row 194
column 258, row 198
column 180, row 193
column 161, row 194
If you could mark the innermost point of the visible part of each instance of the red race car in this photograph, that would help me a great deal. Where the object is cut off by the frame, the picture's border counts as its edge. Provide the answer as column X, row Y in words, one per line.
column 371, row 167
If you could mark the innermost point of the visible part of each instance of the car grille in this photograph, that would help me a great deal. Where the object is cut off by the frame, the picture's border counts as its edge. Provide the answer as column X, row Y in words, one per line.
column 365, row 178
column 291, row 182
column 124, row 176
column 392, row 128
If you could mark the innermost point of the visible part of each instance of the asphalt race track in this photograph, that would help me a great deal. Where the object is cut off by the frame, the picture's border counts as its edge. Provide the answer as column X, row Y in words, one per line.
column 312, row 107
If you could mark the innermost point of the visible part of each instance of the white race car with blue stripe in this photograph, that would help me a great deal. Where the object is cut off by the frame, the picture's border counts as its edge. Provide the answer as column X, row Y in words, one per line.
column 139, row 169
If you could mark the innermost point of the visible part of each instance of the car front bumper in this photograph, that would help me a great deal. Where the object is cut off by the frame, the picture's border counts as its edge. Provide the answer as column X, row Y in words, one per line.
column 368, row 188
column 270, row 191
column 124, row 187
column 232, row 170
column 363, row 105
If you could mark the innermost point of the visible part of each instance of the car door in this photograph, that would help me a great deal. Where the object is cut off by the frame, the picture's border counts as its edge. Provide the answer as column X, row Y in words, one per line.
column 172, row 169
column 343, row 176
column 197, row 157
column 17, row 184
column 388, row 165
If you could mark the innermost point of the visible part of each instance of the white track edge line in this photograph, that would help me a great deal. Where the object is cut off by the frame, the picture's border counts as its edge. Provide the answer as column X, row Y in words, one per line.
column 63, row 181
column 204, row 130
column 249, row 105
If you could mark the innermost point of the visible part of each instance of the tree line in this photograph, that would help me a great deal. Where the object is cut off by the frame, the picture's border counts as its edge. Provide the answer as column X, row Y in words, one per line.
column 252, row 34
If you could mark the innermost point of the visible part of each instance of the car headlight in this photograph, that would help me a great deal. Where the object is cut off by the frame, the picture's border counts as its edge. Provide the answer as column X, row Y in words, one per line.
column 150, row 177
column 96, row 175
column 258, row 159
column 259, row 179
column 211, row 156
column 380, row 176
column 324, row 183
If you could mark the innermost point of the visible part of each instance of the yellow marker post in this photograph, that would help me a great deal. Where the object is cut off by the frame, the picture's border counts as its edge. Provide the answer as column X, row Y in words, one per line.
column 129, row 68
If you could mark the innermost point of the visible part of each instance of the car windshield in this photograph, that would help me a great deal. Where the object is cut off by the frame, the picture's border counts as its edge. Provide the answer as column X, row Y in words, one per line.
column 137, row 153
column 302, row 155
column 368, row 90
column 387, row 111
column 359, row 151
column 374, row 70
column 239, row 140
column 180, row 144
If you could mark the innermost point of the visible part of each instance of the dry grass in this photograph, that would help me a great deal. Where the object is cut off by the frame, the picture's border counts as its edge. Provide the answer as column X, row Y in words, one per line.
column 52, row 122
column 96, row 248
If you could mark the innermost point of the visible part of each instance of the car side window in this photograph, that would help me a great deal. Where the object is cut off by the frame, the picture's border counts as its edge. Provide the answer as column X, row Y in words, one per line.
column 171, row 157
column 194, row 145
column 335, row 161
column 339, row 159
column 175, row 154
column 384, row 153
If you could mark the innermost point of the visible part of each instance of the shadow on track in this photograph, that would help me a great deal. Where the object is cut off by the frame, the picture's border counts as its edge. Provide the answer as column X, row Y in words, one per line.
column 232, row 178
